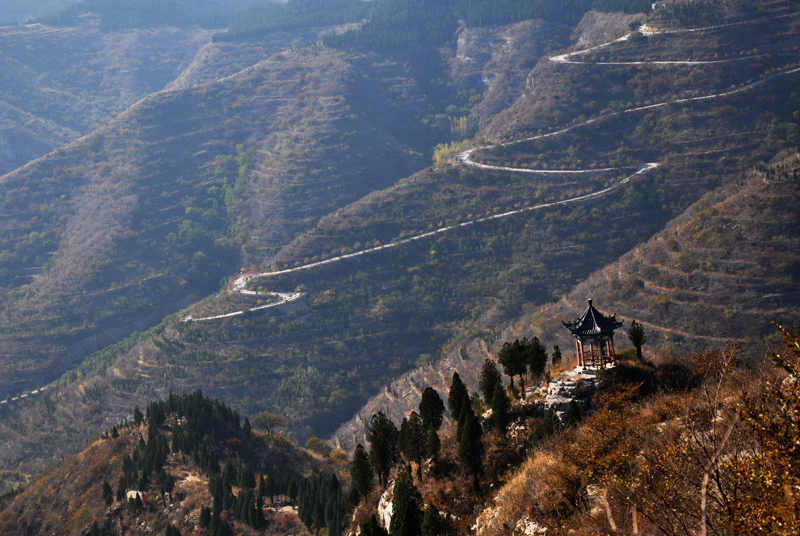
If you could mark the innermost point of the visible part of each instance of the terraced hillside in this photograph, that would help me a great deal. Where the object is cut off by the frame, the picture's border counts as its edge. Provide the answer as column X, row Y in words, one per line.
column 61, row 83
column 367, row 319
column 155, row 206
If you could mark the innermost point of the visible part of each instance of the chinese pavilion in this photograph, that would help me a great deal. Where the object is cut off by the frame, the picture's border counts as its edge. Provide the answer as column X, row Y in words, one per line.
column 594, row 337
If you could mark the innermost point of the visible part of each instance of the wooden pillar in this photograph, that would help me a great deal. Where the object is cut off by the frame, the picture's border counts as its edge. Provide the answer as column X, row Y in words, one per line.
column 613, row 351
column 578, row 349
column 591, row 352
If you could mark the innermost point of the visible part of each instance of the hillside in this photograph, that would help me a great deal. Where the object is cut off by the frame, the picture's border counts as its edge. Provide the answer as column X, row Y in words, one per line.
column 62, row 83
column 124, row 189
column 642, row 447
column 176, row 457
column 314, row 153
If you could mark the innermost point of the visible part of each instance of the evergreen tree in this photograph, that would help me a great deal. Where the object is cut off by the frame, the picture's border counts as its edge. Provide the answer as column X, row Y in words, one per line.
column 414, row 441
column 545, row 429
column 501, row 411
column 383, row 452
column 432, row 522
column 262, row 487
column 470, row 447
column 205, row 517
column 512, row 358
column 556, row 350
column 246, row 428
column 637, row 336
column 121, row 489
column 108, row 494
column 536, row 356
column 372, row 528
column 458, row 397
column 292, row 491
column 138, row 417
column 433, row 445
column 431, row 409
column 406, row 513
column 490, row 381
column 361, row 473
column 573, row 414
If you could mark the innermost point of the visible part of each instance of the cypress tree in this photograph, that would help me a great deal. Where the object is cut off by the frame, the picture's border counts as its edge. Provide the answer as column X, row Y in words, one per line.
column 470, row 447
column 108, row 494
column 556, row 355
column 205, row 517
column 458, row 397
column 490, row 381
column 512, row 358
column 247, row 428
column 573, row 414
column 415, row 440
column 372, row 528
column 536, row 357
column 432, row 522
column 262, row 487
column 320, row 499
column 431, row 409
column 433, row 445
column 291, row 491
column 407, row 512
column 383, row 452
column 501, row 410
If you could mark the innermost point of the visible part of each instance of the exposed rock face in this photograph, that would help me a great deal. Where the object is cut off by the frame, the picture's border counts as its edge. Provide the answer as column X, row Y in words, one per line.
column 386, row 507
column 568, row 386
column 496, row 60
column 597, row 27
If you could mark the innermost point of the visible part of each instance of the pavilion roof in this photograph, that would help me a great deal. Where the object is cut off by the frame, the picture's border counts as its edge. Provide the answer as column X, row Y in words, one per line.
column 593, row 322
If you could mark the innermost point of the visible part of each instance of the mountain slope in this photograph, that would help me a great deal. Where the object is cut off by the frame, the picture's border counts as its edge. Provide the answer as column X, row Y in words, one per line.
column 62, row 83
column 489, row 243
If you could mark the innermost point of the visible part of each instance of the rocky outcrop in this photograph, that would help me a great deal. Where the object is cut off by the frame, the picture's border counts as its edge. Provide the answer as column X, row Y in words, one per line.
column 568, row 386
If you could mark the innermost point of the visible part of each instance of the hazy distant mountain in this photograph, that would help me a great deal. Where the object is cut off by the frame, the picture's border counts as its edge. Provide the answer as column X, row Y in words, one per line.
column 21, row 10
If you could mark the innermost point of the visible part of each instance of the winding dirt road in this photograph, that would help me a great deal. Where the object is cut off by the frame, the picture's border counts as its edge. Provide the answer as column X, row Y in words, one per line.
column 466, row 158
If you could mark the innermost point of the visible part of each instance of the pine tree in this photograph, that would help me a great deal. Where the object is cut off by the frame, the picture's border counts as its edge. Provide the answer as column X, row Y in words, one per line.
column 292, row 491
column 121, row 489
column 545, row 429
column 262, row 487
